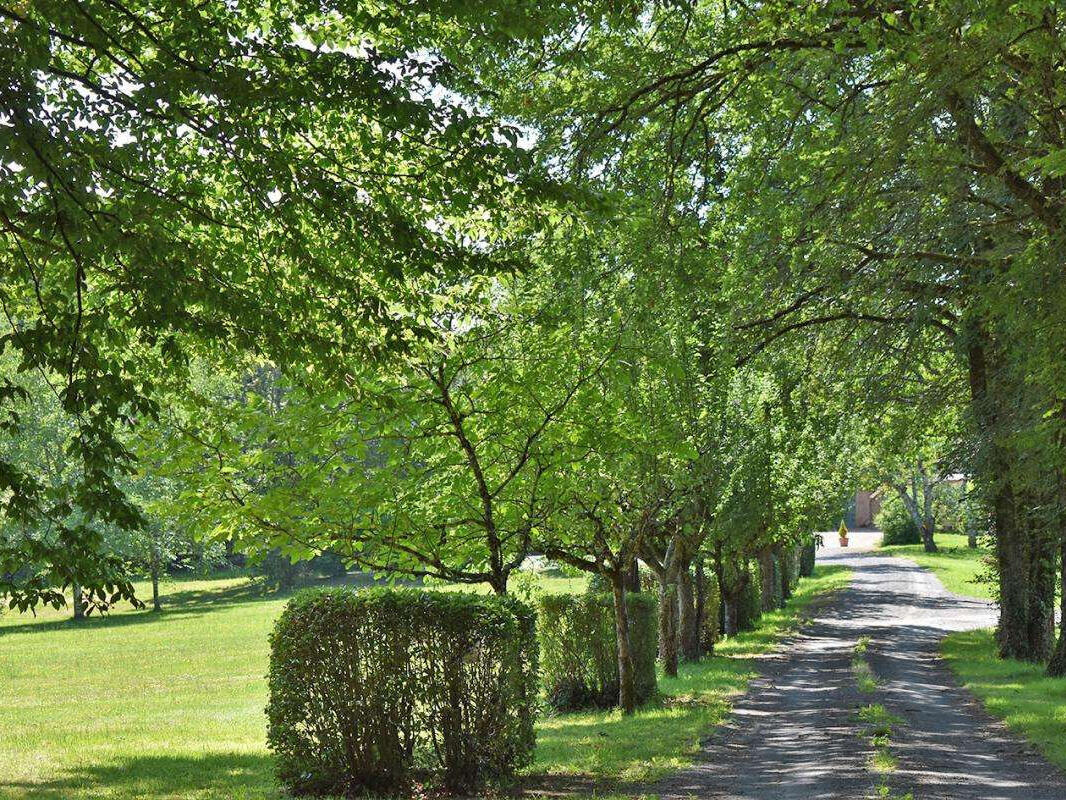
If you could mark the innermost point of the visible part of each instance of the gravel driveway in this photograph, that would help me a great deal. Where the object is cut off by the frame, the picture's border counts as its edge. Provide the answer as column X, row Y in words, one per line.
column 795, row 733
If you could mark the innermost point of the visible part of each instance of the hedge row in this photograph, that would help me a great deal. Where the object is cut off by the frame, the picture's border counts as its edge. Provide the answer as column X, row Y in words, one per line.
column 578, row 648
column 373, row 690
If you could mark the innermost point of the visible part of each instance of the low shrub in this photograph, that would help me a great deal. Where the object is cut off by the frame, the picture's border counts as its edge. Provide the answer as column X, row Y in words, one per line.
column 808, row 554
column 373, row 690
column 578, row 649
column 897, row 526
column 749, row 608
column 712, row 603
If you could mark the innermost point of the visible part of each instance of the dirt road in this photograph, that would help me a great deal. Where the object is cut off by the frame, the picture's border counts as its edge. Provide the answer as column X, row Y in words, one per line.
column 796, row 735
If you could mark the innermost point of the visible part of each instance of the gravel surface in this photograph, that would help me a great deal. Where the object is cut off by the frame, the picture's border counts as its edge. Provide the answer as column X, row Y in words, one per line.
column 795, row 733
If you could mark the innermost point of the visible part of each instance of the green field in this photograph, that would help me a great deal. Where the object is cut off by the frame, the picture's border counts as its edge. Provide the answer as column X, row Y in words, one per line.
column 959, row 567
column 143, row 705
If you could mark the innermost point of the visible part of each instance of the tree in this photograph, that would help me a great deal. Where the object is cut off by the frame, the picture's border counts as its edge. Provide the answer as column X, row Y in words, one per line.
column 883, row 183
column 179, row 177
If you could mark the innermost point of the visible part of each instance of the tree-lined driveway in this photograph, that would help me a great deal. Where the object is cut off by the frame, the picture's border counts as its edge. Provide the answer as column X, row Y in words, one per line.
column 796, row 733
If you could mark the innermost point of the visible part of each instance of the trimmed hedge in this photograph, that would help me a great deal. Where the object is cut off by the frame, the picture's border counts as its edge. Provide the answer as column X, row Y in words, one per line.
column 710, row 631
column 749, row 607
column 373, row 690
column 808, row 555
column 578, row 648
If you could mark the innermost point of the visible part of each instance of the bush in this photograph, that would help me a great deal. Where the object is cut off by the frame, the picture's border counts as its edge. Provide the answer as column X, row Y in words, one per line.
column 579, row 661
column 808, row 555
column 372, row 690
column 897, row 526
column 749, row 608
column 709, row 632
column 949, row 507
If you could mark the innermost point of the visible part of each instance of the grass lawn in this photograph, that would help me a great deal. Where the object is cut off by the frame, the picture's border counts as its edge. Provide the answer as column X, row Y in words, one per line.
column 1017, row 692
column 167, row 706
column 957, row 565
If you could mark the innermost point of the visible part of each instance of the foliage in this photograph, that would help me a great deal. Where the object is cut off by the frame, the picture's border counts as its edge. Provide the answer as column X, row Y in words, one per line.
column 371, row 689
column 579, row 651
column 896, row 523
column 665, row 736
column 749, row 609
column 295, row 181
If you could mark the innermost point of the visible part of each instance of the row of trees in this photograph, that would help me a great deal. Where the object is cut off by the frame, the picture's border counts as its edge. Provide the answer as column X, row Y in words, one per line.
column 584, row 410
column 887, row 174
column 439, row 290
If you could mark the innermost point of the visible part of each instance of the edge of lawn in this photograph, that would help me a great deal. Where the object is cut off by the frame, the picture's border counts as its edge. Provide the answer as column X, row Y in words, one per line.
column 609, row 748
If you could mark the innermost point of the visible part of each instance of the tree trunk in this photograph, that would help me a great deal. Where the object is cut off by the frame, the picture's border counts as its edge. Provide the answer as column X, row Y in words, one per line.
column 808, row 557
column 156, row 605
column 627, row 699
column 687, row 626
column 1043, row 557
column 784, row 564
column 767, row 584
column 928, row 521
column 633, row 578
column 79, row 601
column 729, row 613
column 668, row 626
column 1015, row 631
column 968, row 520
column 1056, row 668
column 154, row 566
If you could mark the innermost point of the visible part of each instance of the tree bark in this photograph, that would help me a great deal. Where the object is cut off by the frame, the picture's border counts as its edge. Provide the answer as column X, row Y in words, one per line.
column 79, row 601
column 928, row 521
column 668, row 626
column 1056, row 668
column 687, row 626
column 784, row 563
column 633, row 578
column 1043, row 544
column 155, row 568
column 156, row 605
column 968, row 520
column 808, row 556
column 729, row 611
column 1014, row 630
column 627, row 700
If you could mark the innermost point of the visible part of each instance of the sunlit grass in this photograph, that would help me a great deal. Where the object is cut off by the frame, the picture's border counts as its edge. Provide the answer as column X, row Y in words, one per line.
column 957, row 565
column 864, row 675
column 1017, row 692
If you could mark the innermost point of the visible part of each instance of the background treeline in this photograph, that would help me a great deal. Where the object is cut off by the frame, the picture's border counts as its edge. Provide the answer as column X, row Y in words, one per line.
column 439, row 291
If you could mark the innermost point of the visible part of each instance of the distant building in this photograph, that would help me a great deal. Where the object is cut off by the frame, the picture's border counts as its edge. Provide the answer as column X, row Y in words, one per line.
column 863, row 509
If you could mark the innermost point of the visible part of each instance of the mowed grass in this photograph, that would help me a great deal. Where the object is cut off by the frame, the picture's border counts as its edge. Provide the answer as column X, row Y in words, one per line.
column 143, row 705
column 957, row 565
column 1032, row 705
column 139, row 705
